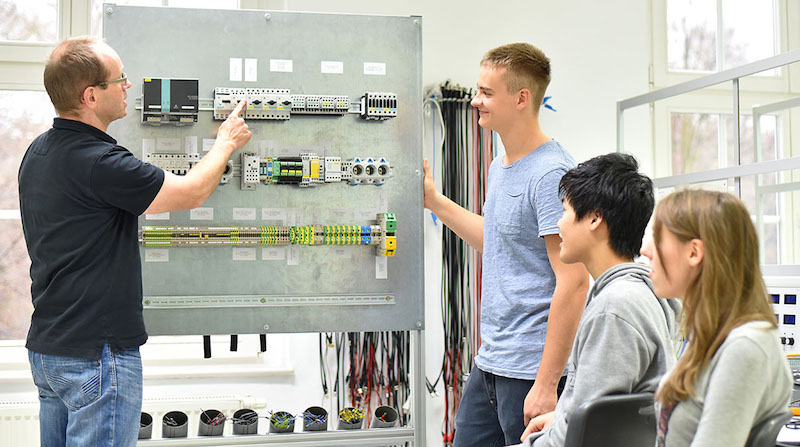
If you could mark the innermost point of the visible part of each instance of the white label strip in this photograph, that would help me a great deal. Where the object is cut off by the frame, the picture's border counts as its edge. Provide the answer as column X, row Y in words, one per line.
column 273, row 253
column 202, row 213
column 383, row 201
column 236, row 69
column 148, row 146
column 340, row 216
column 244, row 214
column 250, row 70
column 281, row 65
column 366, row 214
column 158, row 216
column 172, row 145
column 341, row 253
column 208, row 143
column 293, row 257
column 273, row 214
column 331, row 67
column 156, row 255
column 244, row 254
column 191, row 145
column 375, row 68
column 381, row 267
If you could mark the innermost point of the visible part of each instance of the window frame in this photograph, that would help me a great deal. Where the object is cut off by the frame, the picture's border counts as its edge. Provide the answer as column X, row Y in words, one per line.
column 662, row 76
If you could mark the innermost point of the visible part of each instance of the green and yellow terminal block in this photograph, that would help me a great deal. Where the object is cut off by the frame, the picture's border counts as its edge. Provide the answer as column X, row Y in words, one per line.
column 381, row 235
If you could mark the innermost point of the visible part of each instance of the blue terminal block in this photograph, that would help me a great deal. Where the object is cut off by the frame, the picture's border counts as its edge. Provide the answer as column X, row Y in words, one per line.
column 366, row 229
column 365, row 240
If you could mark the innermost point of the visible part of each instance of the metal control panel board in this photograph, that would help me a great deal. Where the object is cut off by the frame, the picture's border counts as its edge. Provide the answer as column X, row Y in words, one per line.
column 324, row 61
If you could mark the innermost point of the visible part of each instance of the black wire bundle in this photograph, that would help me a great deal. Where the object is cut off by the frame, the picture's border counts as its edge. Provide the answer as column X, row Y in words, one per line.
column 375, row 368
column 464, row 167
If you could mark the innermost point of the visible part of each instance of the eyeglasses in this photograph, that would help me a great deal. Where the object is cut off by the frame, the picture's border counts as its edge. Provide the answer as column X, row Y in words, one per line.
column 123, row 79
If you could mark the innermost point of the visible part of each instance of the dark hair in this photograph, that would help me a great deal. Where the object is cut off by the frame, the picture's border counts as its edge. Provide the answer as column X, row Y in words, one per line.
column 72, row 66
column 612, row 186
column 526, row 67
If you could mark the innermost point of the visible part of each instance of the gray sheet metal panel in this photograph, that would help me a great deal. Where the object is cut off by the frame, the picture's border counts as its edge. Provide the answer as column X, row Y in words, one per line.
column 188, row 43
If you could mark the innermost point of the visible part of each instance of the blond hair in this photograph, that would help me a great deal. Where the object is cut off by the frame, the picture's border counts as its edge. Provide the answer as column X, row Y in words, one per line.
column 526, row 67
column 728, row 290
column 72, row 66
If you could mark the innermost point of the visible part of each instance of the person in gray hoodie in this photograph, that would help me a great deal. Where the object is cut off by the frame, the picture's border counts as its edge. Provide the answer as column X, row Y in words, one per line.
column 624, row 339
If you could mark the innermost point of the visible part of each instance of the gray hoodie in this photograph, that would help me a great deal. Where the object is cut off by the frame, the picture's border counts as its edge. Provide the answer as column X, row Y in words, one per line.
column 624, row 344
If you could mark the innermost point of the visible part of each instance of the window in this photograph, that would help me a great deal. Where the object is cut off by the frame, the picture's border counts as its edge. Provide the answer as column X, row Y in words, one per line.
column 25, row 115
column 29, row 20
column 713, row 35
column 695, row 132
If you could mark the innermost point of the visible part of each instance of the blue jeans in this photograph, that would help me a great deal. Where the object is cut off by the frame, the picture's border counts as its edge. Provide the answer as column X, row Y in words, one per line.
column 490, row 413
column 89, row 402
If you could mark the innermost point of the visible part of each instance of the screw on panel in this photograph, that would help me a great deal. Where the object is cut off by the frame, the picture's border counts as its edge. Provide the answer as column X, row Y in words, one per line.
column 267, row 17
column 417, row 172
column 263, row 300
column 266, row 327
column 109, row 11
column 419, row 324
column 147, row 302
column 416, row 22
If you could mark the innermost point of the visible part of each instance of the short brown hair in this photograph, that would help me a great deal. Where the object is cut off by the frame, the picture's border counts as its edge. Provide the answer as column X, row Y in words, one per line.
column 526, row 67
column 72, row 66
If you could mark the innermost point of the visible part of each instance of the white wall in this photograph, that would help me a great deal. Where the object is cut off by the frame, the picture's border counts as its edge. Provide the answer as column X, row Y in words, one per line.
column 600, row 53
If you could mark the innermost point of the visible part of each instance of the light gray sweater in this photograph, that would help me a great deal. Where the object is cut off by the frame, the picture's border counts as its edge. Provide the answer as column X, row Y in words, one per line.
column 747, row 381
column 623, row 344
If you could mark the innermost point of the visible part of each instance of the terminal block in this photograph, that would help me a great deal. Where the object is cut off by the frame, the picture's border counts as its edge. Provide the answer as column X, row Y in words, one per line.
column 169, row 101
column 378, row 105
column 320, row 104
column 388, row 242
column 381, row 235
column 250, row 170
column 368, row 170
column 333, row 169
column 178, row 164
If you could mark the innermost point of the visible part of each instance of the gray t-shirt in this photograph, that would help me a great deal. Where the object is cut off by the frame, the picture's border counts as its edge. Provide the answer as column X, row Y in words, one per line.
column 522, row 205
column 623, row 344
column 747, row 381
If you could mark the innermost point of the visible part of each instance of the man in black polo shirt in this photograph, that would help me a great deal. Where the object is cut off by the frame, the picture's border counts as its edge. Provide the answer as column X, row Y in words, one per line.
column 80, row 194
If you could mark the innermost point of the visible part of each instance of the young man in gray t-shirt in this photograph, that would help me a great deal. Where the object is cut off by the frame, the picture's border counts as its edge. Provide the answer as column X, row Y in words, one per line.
column 531, row 301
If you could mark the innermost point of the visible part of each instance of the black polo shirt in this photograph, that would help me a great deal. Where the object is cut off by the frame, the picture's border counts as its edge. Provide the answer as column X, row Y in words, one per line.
column 80, row 194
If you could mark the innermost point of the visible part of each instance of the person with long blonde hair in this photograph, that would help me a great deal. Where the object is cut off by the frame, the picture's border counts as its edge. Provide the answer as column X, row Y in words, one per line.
column 733, row 373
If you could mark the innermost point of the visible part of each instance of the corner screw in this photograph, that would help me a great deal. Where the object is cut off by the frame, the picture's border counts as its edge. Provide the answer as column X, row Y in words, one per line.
column 419, row 324
column 109, row 11
column 267, row 17
column 266, row 327
column 416, row 23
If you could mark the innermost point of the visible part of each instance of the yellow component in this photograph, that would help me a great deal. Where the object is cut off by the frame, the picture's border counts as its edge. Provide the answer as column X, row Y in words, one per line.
column 147, row 80
column 280, row 107
column 391, row 242
column 314, row 168
column 249, row 107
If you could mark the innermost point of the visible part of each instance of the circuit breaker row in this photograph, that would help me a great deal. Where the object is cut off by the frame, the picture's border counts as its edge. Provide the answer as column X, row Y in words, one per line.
column 309, row 169
column 280, row 104
column 176, row 101
column 382, row 235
